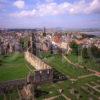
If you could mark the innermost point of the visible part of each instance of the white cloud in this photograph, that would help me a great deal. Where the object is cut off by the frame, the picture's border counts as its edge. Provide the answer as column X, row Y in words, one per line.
column 19, row 4
column 52, row 8
column 93, row 7
column 25, row 13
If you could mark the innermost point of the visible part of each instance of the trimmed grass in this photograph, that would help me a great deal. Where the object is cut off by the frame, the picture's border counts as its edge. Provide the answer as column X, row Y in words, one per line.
column 87, row 80
column 67, row 86
column 13, row 67
column 64, row 67
column 89, row 63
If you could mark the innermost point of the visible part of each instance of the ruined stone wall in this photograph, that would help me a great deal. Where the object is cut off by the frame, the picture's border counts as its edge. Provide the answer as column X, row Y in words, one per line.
column 43, row 72
column 36, row 62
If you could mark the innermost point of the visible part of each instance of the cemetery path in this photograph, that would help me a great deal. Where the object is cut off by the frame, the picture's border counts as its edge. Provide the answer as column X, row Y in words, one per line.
column 69, row 61
column 65, row 97
column 52, row 98
column 62, row 94
column 94, row 72
column 84, row 76
column 93, row 88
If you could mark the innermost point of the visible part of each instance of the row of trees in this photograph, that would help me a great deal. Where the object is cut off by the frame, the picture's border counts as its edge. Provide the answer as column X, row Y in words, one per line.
column 85, row 52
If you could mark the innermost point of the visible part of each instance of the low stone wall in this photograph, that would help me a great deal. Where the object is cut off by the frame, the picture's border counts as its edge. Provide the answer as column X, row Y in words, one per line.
column 36, row 62
column 11, row 85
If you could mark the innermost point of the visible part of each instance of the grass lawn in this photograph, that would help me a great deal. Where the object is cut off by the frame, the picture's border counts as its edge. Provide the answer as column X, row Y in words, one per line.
column 89, row 63
column 51, row 91
column 67, row 86
column 87, row 80
column 64, row 67
column 13, row 66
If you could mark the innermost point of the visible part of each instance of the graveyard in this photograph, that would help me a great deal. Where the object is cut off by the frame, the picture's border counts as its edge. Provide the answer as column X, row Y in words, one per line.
column 80, row 83
column 92, row 63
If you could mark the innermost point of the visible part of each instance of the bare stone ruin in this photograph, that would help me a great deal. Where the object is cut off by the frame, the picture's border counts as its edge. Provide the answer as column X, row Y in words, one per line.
column 43, row 72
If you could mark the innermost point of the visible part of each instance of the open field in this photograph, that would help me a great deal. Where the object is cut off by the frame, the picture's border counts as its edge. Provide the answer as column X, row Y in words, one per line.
column 13, row 67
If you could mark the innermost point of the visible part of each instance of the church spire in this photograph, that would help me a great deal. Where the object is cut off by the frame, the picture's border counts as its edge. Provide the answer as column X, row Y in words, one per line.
column 44, row 32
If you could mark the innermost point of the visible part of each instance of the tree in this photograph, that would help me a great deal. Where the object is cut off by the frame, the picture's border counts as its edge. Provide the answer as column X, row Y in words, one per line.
column 85, row 53
column 75, row 47
column 0, row 62
column 89, row 52
column 22, row 43
column 95, row 52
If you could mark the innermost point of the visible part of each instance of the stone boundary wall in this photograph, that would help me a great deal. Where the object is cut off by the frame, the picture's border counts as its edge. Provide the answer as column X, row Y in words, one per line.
column 11, row 85
column 36, row 62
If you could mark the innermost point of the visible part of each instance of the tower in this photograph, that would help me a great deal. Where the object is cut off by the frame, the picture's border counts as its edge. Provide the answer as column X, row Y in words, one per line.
column 44, row 32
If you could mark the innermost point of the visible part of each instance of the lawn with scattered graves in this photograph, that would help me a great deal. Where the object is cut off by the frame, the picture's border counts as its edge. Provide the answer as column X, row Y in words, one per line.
column 60, row 64
column 93, row 63
column 74, row 88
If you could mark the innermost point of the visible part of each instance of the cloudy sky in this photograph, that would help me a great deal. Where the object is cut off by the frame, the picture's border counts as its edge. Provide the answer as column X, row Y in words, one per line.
column 50, row 13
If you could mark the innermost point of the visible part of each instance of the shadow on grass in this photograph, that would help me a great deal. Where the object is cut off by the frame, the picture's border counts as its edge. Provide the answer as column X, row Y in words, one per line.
column 58, row 76
column 39, row 93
